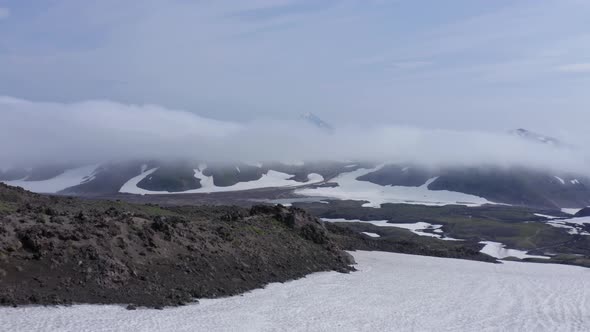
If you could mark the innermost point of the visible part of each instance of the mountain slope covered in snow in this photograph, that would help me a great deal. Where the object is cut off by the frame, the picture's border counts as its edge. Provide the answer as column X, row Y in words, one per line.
column 389, row 292
column 371, row 182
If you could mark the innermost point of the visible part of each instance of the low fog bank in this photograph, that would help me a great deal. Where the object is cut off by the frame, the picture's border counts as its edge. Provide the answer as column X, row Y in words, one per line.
column 34, row 133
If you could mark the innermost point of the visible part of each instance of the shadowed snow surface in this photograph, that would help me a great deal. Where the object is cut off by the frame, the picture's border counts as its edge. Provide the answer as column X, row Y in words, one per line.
column 268, row 180
column 570, row 211
column 68, row 178
column 351, row 188
column 391, row 292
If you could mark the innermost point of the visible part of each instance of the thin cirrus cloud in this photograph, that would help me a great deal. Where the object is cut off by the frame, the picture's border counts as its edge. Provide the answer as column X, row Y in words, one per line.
column 411, row 64
column 575, row 68
column 350, row 61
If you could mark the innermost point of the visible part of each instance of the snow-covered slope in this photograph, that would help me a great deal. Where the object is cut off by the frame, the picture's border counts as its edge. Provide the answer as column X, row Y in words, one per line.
column 68, row 178
column 417, row 228
column 571, row 211
column 351, row 188
column 574, row 226
column 390, row 292
column 272, row 179
column 131, row 187
column 499, row 250
column 353, row 180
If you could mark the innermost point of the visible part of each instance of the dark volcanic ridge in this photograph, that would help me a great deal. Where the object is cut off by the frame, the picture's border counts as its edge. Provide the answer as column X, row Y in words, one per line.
column 60, row 250
column 585, row 212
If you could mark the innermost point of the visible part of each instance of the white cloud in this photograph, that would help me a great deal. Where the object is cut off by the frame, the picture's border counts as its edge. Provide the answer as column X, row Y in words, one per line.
column 98, row 131
column 575, row 68
column 258, row 4
column 4, row 13
column 411, row 64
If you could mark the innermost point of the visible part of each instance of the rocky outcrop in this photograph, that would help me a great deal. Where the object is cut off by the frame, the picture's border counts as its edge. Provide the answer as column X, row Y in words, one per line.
column 56, row 250
column 585, row 212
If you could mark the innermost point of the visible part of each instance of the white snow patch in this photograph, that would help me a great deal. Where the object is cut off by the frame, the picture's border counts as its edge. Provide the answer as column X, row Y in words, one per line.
column 238, row 169
column 559, row 179
column 271, row 179
column 381, row 223
column 451, row 239
column 390, row 292
column 570, row 229
column 430, row 181
column 405, row 169
column 499, row 250
column 546, row 216
column 571, row 211
column 131, row 187
column 351, row 188
column 577, row 221
column 575, row 181
column 417, row 228
column 575, row 226
column 290, row 201
column 371, row 234
column 68, row 178
column 351, row 166
column 293, row 163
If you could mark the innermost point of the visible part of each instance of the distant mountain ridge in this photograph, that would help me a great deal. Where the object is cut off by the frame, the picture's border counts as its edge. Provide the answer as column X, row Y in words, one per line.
column 369, row 181
column 538, row 138
column 514, row 186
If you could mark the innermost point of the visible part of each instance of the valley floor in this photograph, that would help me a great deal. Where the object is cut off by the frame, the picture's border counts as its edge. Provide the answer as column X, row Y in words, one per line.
column 391, row 292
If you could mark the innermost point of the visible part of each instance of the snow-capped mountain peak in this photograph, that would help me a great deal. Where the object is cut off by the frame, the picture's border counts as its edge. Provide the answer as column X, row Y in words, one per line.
column 316, row 121
column 529, row 135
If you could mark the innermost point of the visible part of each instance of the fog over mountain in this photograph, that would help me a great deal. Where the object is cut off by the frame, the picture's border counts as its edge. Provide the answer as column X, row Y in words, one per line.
column 228, row 80
column 98, row 131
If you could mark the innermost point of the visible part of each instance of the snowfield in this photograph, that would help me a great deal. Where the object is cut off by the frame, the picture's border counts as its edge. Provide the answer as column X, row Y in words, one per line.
column 562, row 181
column 499, row 251
column 390, row 292
column 416, row 228
column 272, row 179
column 352, row 189
column 570, row 211
column 68, row 178
column 574, row 226
column 371, row 234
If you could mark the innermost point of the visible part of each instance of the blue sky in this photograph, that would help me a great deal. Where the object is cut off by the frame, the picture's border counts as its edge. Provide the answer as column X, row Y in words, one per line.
column 456, row 64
